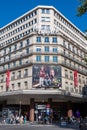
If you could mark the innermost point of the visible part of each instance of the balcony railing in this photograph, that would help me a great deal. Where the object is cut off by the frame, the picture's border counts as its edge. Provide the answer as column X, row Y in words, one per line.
column 29, row 62
column 72, row 58
column 73, row 67
column 31, row 52
column 12, row 67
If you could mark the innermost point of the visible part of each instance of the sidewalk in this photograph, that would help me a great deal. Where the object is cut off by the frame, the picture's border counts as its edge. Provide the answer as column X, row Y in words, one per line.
column 53, row 124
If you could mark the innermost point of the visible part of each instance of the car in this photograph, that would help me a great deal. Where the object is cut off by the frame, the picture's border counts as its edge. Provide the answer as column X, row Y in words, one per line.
column 83, row 124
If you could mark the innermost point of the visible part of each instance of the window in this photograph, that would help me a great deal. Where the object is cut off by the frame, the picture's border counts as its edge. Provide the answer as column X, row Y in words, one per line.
column 54, row 40
column 2, row 78
column 13, row 76
column 9, row 49
column 38, row 58
column 25, row 72
column 21, row 44
column 20, row 62
column 26, row 84
column 4, row 50
column 27, row 50
column 54, row 49
column 66, row 74
column 46, row 48
column 66, row 86
column 38, row 49
column 12, row 86
column 8, row 65
column 69, row 46
column 71, row 75
column 38, row 39
column 4, row 59
column 19, row 74
column 46, row 39
column 64, row 43
column 55, row 59
column 46, row 58
column 45, row 19
column 80, row 89
column 27, row 41
column 14, row 63
column 19, row 85
column 15, row 47
column 45, row 27
column 45, row 11
column 1, row 88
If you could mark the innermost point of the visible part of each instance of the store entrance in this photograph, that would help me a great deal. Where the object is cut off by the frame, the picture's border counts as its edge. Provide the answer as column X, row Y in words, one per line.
column 43, row 114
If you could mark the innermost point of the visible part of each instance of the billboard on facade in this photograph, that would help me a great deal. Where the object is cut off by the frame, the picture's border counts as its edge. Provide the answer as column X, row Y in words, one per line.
column 47, row 76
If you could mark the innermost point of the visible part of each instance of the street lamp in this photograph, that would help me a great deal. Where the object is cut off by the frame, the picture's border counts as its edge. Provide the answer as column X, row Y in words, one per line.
column 20, row 109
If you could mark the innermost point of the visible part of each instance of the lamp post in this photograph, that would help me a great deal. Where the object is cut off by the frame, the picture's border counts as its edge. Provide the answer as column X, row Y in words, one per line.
column 20, row 109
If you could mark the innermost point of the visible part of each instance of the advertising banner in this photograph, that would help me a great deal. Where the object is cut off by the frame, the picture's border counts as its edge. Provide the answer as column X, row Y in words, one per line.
column 7, row 78
column 75, row 78
column 47, row 76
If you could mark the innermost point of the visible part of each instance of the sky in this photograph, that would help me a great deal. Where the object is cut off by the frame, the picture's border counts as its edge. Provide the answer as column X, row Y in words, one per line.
column 12, row 9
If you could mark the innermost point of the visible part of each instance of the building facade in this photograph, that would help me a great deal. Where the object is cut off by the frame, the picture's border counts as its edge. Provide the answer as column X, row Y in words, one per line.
column 42, row 63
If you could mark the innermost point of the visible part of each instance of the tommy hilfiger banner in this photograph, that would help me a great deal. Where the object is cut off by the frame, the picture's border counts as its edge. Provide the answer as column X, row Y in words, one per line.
column 7, row 78
column 47, row 76
column 75, row 78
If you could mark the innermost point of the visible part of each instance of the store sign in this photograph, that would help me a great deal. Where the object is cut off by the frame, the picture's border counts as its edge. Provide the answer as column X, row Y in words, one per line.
column 41, row 106
column 47, row 76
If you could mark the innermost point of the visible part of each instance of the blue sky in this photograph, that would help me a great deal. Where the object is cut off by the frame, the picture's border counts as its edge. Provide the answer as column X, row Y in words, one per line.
column 12, row 9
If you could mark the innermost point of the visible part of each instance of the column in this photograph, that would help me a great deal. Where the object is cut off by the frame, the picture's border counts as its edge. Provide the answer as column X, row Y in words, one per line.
column 50, row 111
column 50, row 101
column 32, row 109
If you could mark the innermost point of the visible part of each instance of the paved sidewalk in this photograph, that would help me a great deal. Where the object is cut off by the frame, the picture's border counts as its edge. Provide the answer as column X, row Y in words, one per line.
column 36, row 124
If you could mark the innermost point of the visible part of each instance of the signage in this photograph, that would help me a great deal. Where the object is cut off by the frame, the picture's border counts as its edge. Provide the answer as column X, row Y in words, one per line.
column 41, row 107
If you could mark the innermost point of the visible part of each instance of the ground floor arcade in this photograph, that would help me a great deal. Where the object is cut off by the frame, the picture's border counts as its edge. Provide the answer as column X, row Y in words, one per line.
column 39, row 103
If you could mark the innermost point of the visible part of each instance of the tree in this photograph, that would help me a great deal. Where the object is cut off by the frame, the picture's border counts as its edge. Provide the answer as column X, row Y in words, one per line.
column 82, row 9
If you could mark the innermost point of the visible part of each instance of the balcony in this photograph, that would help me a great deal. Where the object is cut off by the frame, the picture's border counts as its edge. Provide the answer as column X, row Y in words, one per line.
column 15, row 58
column 18, row 76
column 2, row 80
column 17, row 66
column 73, row 67
column 72, row 58
column 25, row 75
column 31, row 52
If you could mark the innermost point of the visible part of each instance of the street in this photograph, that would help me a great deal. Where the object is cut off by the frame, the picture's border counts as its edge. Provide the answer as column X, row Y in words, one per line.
column 34, row 127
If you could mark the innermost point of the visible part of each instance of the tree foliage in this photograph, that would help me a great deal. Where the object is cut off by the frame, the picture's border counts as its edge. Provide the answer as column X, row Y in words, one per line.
column 82, row 9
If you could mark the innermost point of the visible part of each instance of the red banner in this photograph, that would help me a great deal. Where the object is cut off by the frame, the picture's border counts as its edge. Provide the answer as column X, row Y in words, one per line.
column 75, row 78
column 7, row 78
